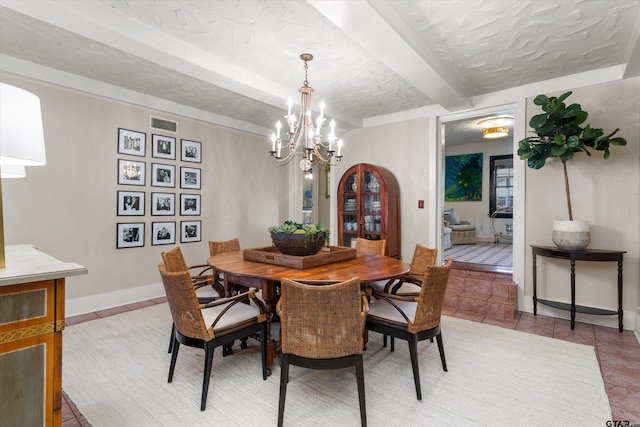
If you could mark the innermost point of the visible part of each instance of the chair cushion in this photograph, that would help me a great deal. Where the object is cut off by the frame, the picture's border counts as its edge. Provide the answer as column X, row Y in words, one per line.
column 378, row 286
column 383, row 310
column 207, row 292
column 238, row 313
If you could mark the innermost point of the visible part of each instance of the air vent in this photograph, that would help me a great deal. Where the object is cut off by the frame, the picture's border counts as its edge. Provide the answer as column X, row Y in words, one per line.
column 164, row 125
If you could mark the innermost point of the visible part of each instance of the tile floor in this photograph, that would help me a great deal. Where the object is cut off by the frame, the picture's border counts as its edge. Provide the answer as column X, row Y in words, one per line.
column 618, row 355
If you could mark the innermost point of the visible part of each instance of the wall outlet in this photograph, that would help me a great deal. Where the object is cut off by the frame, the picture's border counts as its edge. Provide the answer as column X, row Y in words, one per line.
column 420, row 204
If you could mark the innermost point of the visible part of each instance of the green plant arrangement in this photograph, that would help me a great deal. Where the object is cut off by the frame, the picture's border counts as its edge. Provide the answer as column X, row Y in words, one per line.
column 293, row 238
column 558, row 133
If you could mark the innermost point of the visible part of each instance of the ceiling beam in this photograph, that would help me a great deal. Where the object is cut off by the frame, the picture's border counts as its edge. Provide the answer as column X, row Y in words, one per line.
column 105, row 25
column 388, row 40
column 632, row 54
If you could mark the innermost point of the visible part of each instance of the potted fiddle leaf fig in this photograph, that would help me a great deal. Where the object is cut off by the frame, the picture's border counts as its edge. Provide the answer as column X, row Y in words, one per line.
column 559, row 134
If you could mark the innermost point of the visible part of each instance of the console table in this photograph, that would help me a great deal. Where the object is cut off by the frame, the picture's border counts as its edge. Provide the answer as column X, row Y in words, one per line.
column 31, row 322
column 573, row 256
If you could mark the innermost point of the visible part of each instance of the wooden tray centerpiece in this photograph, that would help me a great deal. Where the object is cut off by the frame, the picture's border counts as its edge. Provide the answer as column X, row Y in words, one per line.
column 327, row 255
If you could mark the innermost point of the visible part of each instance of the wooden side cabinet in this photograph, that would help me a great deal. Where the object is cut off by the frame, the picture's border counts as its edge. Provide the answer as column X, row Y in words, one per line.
column 31, row 324
column 369, row 207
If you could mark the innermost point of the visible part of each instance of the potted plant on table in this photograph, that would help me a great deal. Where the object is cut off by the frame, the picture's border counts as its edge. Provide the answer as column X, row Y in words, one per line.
column 292, row 238
column 558, row 133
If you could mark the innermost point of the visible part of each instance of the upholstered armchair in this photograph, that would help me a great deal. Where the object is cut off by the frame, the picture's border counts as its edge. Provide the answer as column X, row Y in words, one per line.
column 462, row 232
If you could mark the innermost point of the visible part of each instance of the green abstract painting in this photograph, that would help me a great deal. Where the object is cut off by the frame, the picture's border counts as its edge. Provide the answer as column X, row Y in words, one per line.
column 463, row 178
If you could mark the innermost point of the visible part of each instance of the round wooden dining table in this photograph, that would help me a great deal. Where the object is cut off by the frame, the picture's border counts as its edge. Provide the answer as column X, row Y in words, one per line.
column 266, row 277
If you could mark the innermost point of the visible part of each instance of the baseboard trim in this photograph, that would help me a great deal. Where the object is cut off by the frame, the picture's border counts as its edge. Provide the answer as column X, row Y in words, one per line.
column 89, row 304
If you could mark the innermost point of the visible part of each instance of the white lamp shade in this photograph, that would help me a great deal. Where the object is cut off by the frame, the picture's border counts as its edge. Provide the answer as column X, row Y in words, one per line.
column 21, row 132
column 13, row 171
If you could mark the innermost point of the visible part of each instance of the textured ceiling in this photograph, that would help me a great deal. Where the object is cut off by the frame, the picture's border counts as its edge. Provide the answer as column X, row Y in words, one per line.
column 240, row 59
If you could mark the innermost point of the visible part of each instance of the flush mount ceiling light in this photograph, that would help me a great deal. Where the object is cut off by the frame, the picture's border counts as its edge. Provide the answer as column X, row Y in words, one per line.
column 499, row 132
column 496, row 127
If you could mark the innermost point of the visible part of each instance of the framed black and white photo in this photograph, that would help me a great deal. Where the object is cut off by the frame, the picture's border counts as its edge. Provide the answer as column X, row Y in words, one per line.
column 131, row 173
column 163, row 175
column 163, row 147
column 130, row 203
column 190, row 178
column 190, row 231
column 130, row 235
column 191, row 151
column 163, row 233
column 132, row 142
column 189, row 204
column 163, row 204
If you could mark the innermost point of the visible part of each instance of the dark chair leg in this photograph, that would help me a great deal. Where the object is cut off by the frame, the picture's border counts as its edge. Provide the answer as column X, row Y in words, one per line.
column 173, row 333
column 263, row 350
column 208, row 359
column 384, row 340
column 361, row 396
column 284, row 379
column 441, row 350
column 393, row 343
column 413, row 351
column 174, row 357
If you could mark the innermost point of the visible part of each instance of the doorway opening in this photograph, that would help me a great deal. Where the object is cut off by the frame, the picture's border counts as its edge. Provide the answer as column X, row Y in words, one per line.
column 477, row 191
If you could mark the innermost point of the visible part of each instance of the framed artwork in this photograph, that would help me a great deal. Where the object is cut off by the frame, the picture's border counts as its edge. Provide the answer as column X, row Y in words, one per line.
column 131, row 173
column 163, row 147
column 463, row 178
column 191, row 151
column 132, row 142
column 190, row 178
column 189, row 204
column 163, row 233
column 130, row 203
column 190, row 231
column 130, row 235
column 163, row 204
column 163, row 175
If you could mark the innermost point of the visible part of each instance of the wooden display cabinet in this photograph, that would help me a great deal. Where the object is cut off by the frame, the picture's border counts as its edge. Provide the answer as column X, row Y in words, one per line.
column 369, row 207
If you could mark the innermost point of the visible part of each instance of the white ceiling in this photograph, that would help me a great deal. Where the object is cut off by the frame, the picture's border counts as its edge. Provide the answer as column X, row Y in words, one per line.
column 239, row 60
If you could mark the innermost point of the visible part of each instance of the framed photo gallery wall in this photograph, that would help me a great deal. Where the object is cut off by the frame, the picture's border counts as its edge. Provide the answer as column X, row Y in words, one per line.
column 165, row 185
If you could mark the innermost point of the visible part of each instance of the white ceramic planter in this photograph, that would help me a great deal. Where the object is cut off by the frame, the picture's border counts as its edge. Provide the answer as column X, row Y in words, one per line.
column 571, row 235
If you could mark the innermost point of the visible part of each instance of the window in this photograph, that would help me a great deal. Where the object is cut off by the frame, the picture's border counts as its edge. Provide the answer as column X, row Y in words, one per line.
column 501, row 186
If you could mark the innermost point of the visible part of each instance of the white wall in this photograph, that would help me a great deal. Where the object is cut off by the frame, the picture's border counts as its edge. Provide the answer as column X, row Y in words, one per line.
column 402, row 149
column 67, row 208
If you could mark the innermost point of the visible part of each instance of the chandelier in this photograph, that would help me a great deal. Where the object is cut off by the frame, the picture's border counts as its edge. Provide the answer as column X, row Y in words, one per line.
column 302, row 135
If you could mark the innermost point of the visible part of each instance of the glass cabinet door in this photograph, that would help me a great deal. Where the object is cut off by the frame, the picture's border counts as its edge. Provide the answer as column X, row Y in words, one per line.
column 371, row 208
column 349, row 218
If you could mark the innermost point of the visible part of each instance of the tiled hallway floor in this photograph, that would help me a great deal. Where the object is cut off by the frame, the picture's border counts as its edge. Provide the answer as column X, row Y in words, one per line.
column 618, row 355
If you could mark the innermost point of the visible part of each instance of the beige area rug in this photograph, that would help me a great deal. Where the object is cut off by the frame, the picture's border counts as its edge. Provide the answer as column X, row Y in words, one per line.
column 115, row 370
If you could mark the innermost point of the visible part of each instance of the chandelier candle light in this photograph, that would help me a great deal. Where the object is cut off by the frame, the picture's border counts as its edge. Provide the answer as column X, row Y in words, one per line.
column 302, row 136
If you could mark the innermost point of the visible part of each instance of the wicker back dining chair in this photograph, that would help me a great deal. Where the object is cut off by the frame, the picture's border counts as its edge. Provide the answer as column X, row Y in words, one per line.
column 216, row 248
column 413, row 318
column 212, row 324
column 205, row 285
column 376, row 247
column 321, row 327
column 422, row 257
